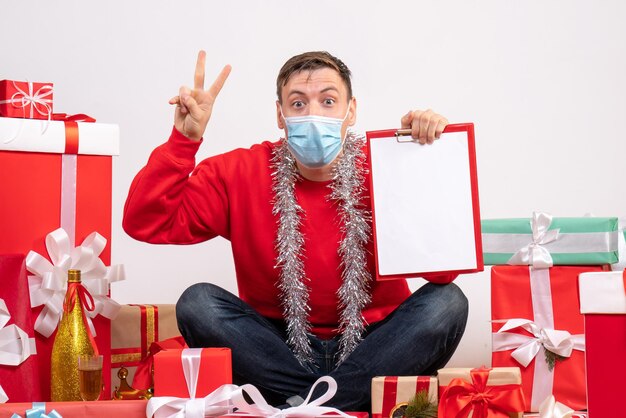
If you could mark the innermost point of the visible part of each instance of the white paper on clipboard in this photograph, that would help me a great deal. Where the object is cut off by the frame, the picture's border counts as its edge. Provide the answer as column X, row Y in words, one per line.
column 423, row 210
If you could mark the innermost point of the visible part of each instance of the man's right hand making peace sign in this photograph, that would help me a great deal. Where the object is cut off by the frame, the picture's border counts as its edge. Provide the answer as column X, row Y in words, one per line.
column 194, row 107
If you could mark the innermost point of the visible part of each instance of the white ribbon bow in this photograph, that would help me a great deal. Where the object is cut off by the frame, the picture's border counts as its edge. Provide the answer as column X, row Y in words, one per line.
column 260, row 407
column 3, row 395
column 526, row 348
column 534, row 254
column 15, row 346
column 226, row 397
column 214, row 404
column 550, row 408
column 49, row 284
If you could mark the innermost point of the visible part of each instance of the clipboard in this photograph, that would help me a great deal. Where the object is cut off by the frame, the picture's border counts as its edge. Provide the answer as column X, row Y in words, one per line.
column 425, row 209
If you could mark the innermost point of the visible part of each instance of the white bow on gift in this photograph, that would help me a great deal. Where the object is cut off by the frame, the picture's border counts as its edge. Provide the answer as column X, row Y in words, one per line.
column 314, row 408
column 215, row 404
column 534, row 254
column 550, row 408
column 15, row 345
column 526, row 347
column 49, row 284
column 224, row 399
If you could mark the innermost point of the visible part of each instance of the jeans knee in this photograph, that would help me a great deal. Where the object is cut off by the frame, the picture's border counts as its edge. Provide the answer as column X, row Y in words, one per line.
column 194, row 300
column 449, row 305
column 456, row 300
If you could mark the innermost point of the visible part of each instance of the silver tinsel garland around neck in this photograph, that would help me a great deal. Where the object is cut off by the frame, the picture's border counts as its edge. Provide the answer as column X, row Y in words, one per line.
column 354, row 293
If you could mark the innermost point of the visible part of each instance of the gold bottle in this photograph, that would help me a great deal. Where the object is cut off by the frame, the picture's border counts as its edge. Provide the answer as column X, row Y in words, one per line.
column 72, row 339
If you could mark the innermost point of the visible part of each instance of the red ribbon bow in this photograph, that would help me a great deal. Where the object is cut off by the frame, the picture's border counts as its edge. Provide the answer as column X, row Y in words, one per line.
column 77, row 290
column 461, row 397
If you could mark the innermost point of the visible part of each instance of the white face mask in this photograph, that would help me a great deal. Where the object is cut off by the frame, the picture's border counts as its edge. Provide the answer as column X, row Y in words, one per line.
column 314, row 140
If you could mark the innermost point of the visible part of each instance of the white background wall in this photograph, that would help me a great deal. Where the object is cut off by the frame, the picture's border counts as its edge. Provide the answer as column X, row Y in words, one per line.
column 543, row 81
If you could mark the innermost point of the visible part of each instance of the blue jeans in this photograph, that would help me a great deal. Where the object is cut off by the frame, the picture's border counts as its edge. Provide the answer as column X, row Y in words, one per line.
column 417, row 338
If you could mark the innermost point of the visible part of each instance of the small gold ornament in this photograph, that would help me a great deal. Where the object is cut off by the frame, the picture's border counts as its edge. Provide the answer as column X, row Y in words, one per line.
column 126, row 391
column 72, row 339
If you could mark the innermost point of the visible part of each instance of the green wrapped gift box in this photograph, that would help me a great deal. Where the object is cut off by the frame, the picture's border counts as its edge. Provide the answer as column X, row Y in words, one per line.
column 579, row 241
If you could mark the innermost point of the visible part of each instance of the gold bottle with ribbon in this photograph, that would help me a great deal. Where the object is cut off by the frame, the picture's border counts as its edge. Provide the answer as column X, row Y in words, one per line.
column 73, row 338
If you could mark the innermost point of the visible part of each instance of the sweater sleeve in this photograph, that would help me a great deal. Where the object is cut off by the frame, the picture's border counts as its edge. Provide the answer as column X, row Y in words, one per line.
column 167, row 205
column 442, row 278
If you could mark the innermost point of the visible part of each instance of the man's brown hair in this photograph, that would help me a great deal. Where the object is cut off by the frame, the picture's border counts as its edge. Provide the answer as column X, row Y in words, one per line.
column 311, row 61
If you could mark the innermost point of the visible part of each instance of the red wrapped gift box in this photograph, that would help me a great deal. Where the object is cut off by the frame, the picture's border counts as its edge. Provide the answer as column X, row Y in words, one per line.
column 213, row 370
column 23, row 99
column 98, row 409
column 549, row 299
column 21, row 383
column 603, row 303
column 33, row 187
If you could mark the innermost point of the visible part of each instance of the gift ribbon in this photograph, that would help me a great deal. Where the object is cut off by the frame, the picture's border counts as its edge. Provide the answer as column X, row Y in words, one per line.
column 76, row 292
column 309, row 408
column 214, row 404
column 3, row 395
column 461, row 397
column 48, row 285
column 390, row 393
column 39, row 411
column 542, row 242
column 143, row 373
column 15, row 346
column 535, row 254
column 34, row 100
column 621, row 245
column 24, row 99
column 541, row 295
column 226, row 397
column 550, row 408
column 526, row 348
column 149, row 324
column 69, row 163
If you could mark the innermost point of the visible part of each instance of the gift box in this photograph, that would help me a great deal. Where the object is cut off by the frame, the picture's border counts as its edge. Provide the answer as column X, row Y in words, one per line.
column 478, row 393
column 566, row 241
column 59, row 136
column 98, row 409
column 537, row 326
column 211, row 366
column 24, row 99
column 327, row 415
column 391, row 393
column 20, row 382
column 603, row 303
column 133, row 331
column 42, row 191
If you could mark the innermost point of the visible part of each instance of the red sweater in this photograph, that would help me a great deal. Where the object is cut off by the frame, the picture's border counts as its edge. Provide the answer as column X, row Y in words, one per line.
column 230, row 195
